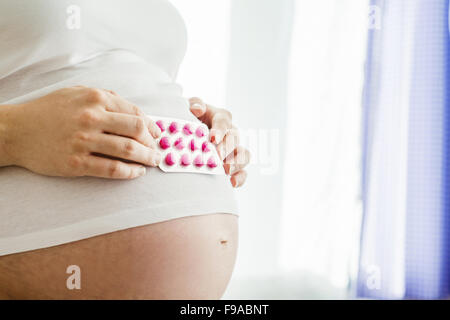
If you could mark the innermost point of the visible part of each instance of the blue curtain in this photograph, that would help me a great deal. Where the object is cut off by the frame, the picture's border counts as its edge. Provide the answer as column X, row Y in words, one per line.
column 405, row 239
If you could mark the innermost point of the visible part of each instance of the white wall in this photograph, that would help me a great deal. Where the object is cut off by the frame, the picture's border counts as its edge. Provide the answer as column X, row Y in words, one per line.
column 287, row 68
column 321, row 202
column 257, row 94
column 204, row 69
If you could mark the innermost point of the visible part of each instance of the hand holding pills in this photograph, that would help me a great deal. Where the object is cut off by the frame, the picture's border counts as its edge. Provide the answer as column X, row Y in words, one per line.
column 225, row 137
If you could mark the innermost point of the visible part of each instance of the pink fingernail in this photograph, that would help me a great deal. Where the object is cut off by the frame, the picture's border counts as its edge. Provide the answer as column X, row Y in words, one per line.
column 216, row 136
column 233, row 182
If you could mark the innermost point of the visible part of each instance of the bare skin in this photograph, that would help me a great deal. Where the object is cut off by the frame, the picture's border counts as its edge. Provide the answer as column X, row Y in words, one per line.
column 61, row 133
column 82, row 131
column 187, row 258
column 226, row 137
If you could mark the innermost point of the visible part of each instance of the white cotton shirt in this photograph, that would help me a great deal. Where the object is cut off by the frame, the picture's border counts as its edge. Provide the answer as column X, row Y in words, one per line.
column 133, row 47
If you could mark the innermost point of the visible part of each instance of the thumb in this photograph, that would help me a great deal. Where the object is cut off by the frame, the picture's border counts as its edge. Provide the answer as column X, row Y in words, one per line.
column 197, row 107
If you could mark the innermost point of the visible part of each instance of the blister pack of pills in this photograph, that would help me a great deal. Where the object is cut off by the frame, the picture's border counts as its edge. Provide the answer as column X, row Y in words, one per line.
column 185, row 147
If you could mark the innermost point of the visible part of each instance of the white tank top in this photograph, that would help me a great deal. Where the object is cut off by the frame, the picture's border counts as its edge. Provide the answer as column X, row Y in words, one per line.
column 133, row 47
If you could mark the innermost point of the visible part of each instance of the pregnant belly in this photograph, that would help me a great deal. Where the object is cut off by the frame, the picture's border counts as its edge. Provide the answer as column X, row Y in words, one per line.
column 186, row 258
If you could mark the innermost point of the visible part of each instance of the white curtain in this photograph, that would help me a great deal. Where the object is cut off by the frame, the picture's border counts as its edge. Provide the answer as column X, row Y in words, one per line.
column 405, row 244
column 291, row 71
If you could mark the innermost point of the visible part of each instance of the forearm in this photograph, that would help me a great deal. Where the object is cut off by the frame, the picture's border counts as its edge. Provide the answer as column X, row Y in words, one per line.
column 7, row 124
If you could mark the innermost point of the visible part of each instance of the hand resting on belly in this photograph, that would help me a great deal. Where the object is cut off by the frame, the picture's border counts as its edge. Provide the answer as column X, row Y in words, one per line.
column 62, row 133
column 81, row 131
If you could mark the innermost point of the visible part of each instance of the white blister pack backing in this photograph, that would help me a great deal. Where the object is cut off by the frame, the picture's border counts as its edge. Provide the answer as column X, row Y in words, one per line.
column 185, row 147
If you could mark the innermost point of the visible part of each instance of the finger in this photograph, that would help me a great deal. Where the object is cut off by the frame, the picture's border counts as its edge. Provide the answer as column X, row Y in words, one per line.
column 219, row 120
column 111, row 92
column 238, row 179
column 236, row 161
column 119, row 105
column 112, row 169
column 154, row 129
column 129, row 126
column 208, row 111
column 228, row 144
column 125, row 148
column 197, row 107
column 220, row 124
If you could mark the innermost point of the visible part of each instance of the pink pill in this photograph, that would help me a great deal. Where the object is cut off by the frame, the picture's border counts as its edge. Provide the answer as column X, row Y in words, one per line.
column 185, row 160
column 205, row 147
column 198, row 161
column 170, row 159
column 212, row 163
column 200, row 132
column 179, row 144
column 173, row 128
column 161, row 125
column 193, row 145
column 164, row 143
column 187, row 130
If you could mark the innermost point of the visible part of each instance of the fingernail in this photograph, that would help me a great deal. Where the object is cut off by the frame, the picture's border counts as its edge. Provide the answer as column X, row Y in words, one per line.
column 216, row 136
column 233, row 182
column 158, row 159
column 154, row 131
column 228, row 168
column 197, row 106
column 158, row 132
column 197, row 109
column 142, row 171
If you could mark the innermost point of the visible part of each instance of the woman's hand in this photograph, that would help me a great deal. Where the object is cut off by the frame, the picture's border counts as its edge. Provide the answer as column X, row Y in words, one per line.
column 82, row 131
column 226, row 137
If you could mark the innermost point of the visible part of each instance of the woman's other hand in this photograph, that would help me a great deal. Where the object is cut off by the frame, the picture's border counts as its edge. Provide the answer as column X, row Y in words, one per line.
column 82, row 131
column 226, row 138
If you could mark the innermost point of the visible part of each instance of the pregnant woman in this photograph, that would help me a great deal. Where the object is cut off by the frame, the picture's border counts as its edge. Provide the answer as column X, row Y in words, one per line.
column 79, row 183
